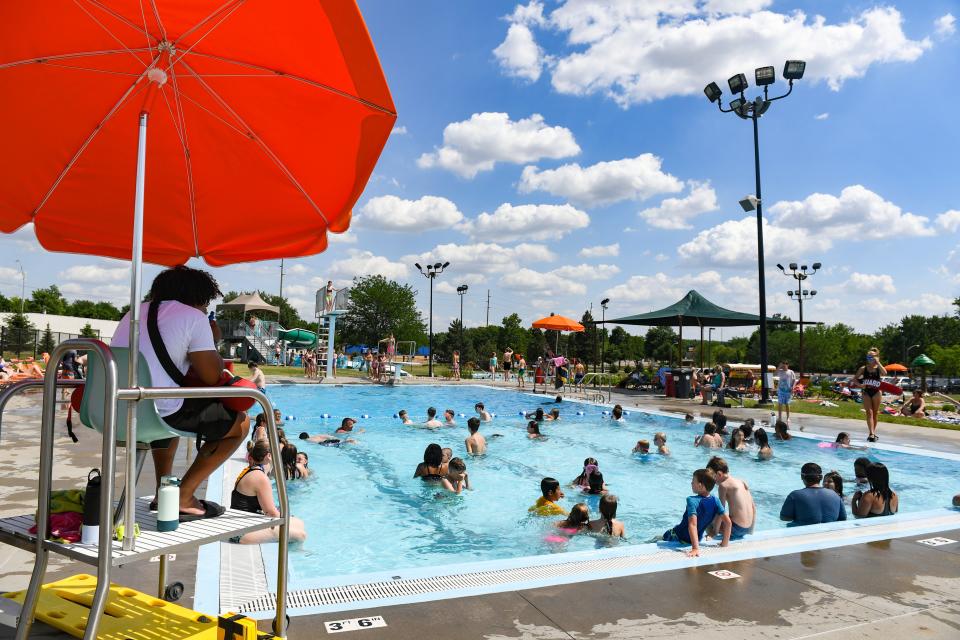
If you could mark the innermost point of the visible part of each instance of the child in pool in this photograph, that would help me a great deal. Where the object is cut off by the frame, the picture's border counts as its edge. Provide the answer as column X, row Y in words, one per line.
column 577, row 521
column 765, row 451
column 589, row 464
column 546, row 504
column 404, row 418
column 447, row 455
column 617, row 413
column 595, row 484
column 643, row 447
column 457, row 478
column 536, row 415
column 533, row 430
column 860, row 473
column 660, row 440
column 833, row 481
column 607, row 522
column 484, row 414
column 553, row 415
column 701, row 510
column 448, row 418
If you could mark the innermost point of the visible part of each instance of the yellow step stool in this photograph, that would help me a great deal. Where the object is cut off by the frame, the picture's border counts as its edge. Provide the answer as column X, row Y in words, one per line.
column 65, row 605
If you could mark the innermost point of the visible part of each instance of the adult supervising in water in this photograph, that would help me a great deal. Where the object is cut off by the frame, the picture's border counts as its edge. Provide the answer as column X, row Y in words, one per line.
column 869, row 376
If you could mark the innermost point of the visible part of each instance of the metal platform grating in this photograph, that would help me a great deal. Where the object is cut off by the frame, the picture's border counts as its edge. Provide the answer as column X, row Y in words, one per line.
column 16, row 531
column 643, row 561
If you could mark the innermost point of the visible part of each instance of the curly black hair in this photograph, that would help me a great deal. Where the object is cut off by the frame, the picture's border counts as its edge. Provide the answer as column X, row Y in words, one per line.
column 192, row 287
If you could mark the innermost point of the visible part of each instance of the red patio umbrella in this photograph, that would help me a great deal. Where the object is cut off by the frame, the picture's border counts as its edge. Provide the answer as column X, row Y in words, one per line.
column 266, row 120
column 553, row 322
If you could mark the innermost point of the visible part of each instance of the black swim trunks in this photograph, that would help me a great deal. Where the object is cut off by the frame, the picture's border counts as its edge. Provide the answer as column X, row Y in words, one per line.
column 208, row 418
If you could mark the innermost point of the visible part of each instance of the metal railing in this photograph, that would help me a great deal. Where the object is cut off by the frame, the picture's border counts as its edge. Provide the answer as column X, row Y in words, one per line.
column 112, row 393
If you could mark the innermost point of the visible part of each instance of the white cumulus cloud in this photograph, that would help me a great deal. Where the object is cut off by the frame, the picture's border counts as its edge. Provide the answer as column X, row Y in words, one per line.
column 856, row 213
column 734, row 244
column 511, row 223
column 531, row 281
column 821, row 116
column 587, row 271
column 949, row 220
column 603, row 183
column 601, row 251
column 477, row 144
column 676, row 213
column 398, row 130
column 95, row 273
column 483, row 257
column 945, row 26
column 519, row 54
column 362, row 263
column 635, row 52
column 390, row 213
column 869, row 283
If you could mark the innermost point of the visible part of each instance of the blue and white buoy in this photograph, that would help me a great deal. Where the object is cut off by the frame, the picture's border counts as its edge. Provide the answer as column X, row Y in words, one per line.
column 579, row 413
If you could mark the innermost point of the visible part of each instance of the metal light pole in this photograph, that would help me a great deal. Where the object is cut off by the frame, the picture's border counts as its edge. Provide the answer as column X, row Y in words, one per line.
column 461, row 291
column 765, row 76
column 431, row 272
column 23, row 285
column 603, row 320
column 801, row 294
column 906, row 356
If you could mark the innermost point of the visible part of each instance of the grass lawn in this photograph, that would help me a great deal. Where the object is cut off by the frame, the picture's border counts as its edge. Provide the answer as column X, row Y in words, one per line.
column 439, row 371
column 854, row 411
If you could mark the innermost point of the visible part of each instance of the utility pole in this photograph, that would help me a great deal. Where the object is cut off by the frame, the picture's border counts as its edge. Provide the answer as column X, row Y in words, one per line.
column 488, row 307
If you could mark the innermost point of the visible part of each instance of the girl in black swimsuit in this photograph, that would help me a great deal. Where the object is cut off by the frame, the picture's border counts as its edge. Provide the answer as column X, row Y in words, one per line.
column 864, row 505
column 432, row 468
column 869, row 378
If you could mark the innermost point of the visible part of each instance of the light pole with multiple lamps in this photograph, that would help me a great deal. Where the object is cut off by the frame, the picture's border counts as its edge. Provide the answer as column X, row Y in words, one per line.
column 800, row 294
column 461, row 291
column 747, row 110
column 430, row 272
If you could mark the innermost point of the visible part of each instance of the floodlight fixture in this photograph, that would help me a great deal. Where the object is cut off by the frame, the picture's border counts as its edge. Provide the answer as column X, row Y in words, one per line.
column 445, row 265
column 437, row 265
column 793, row 69
column 765, row 76
column 803, row 267
column 417, row 265
column 793, row 266
column 790, row 293
column 738, row 83
column 813, row 292
column 749, row 203
column 712, row 91
column 816, row 266
column 780, row 266
column 604, row 302
column 806, row 292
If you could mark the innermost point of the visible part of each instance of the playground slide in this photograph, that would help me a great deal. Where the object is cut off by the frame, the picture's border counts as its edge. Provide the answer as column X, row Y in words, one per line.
column 299, row 338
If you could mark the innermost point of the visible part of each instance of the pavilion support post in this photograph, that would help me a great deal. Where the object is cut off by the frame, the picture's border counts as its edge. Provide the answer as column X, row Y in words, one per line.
column 680, row 343
column 701, row 343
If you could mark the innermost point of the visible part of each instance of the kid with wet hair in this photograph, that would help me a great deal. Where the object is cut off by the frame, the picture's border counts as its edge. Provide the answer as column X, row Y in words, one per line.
column 834, row 481
column 533, row 430
column 456, row 479
column 577, row 521
column 484, row 414
column 747, row 429
column 701, row 511
column 589, row 464
column 660, row 441
column 720, row 421
column 607, row 522
column 643, row 447
column 546, row 504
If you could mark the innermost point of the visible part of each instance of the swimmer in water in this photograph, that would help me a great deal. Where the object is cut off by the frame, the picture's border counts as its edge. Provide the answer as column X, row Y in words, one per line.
column 617, row 413
column 325, row 440
column 404, row 418
column 643, row 447
column 577, row 521
column 533, row 430
column 346, row 426
column 660, row 440
column 688, row 418
column 447, row 455
column 595, row 484
column 482, row 412
column 432, row 421
column 475, row 443
column 457, row 480
column 448, row 418
column 553, row 416
column 536, row 415
column 589, row 464
column 607, row 522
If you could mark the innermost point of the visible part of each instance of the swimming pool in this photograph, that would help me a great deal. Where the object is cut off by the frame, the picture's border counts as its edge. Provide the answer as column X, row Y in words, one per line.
column 365, row 513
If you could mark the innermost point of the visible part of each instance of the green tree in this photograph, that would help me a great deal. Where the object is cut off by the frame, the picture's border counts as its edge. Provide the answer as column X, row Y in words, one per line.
column 379, row 307
column 89, row 332
column 289, row 317
column 47, row 343
column 19, row 333
column 82, row 309
column 6, row 304
column 659, row 343
column 49, row 300
column 536, row 344
column 106, row 311
column 512, row 334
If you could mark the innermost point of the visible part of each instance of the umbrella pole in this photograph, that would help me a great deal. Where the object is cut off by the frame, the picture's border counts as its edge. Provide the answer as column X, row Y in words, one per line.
column 136, row 273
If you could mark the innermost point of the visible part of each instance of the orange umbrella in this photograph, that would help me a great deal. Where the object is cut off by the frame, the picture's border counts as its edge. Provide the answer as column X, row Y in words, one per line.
column 895, row 367
column 553, row 322
column 265, row 124
column 558, row 323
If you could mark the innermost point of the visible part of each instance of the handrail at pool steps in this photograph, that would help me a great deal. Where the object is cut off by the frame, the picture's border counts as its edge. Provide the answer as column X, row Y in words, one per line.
column 107, row 554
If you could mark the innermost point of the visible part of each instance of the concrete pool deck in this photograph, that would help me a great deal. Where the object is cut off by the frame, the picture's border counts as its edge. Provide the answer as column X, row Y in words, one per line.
column 896, row 587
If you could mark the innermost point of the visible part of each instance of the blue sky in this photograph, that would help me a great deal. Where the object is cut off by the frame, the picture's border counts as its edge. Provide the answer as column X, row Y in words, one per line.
column 560, row 152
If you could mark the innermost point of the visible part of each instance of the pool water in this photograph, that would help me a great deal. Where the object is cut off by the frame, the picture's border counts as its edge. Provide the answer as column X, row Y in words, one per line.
column 364, row 511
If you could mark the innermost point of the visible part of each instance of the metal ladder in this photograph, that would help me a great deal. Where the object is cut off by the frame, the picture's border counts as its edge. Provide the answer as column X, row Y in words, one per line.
column 108, row 553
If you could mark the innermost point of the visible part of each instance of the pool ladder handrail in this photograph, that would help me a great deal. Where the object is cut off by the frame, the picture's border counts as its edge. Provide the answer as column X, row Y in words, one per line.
column 113, row 394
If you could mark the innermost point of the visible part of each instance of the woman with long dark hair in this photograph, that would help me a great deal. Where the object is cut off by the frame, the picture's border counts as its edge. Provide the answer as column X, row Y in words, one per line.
column 432, row 468
column 880, row 500
column 607, row 522
column 765, row 451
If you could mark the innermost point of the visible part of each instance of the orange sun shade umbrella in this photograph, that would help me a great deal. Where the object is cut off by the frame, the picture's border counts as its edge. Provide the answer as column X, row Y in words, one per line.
column 558, row 323
column 265, row 124
column 895, row 367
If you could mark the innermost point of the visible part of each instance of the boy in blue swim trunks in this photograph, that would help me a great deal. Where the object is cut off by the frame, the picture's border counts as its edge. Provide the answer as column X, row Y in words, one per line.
column 701, row 511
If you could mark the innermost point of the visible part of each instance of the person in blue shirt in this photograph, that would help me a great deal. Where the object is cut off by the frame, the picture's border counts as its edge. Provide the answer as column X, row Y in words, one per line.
column 813, row 504
column 703, row 509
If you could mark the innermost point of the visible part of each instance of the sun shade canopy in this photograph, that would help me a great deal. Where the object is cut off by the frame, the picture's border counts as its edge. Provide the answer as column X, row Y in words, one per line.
column 693, row 310
column 558, row 323
column 263, row 132
column 248, row 302
column 922, row 360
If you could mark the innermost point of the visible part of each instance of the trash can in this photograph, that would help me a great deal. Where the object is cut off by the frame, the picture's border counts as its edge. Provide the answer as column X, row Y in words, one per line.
column 681, row 382
column 670, row 389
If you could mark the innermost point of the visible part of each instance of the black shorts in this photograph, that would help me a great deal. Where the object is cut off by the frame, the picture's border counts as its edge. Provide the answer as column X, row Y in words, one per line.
column 205, row 417
column 506, row 366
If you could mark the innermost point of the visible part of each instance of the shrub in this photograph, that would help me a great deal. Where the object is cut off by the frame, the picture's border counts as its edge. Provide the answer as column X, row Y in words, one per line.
column 948, row 407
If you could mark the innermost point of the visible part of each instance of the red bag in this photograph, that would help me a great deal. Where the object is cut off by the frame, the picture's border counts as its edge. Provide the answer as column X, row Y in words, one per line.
column 227, row 379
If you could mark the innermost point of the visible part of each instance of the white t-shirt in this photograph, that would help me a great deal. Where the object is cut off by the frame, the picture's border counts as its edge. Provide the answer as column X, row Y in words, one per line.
column 788, row 379
column 184, row 330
